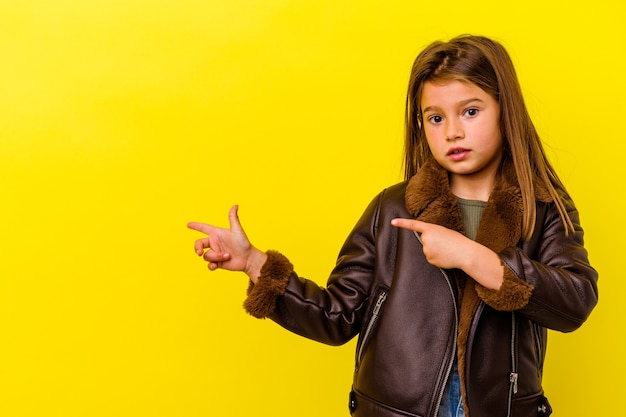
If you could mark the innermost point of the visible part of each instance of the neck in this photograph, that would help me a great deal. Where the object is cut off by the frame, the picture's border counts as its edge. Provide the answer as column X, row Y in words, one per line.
column 472, row 188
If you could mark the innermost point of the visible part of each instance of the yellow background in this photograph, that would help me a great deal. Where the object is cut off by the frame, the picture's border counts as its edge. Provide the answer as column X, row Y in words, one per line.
column 122, row 120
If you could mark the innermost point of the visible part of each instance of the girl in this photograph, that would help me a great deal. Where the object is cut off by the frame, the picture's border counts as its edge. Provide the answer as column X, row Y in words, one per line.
column 451, row 278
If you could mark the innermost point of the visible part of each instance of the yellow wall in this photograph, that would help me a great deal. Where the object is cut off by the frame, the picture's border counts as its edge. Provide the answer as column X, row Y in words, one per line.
column 122, row 120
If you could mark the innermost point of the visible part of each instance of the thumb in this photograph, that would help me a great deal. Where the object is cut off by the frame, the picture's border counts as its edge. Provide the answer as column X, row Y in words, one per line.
column 233, row 219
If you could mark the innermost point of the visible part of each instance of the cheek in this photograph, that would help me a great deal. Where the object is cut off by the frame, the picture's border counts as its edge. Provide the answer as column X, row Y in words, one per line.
column 431, row 137
column 435, row 144
column 496, row 144
column 497, row 136
column 492, row 135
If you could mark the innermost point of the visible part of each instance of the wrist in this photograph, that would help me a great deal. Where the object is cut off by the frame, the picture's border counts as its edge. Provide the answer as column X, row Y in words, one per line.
column 256, row 260
column 485, row 267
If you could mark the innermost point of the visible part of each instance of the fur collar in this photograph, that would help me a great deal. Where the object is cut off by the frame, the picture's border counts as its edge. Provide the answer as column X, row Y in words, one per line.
column 428, row 198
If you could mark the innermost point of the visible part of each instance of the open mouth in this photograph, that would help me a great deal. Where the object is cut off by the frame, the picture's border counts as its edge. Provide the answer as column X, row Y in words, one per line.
column 457, row 151
column 457, row 154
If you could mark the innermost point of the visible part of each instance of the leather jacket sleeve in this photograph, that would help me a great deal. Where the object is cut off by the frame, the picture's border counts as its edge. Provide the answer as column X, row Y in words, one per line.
column 333, row 314
column 556, row 267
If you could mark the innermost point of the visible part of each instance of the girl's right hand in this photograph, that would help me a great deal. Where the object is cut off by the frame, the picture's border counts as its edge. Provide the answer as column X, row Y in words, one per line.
column 230, row 248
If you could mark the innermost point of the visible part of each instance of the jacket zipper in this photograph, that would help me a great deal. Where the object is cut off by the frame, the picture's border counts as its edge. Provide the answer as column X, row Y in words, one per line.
column 538, row 344
column 456, row 325
column 375, row 313
column 513, row 376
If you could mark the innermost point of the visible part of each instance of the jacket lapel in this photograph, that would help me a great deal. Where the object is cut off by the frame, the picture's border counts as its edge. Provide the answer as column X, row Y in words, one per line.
column 429, row 199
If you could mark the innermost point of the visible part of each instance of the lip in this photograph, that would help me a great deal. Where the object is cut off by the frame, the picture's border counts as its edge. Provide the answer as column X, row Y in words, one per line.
column 457, row 153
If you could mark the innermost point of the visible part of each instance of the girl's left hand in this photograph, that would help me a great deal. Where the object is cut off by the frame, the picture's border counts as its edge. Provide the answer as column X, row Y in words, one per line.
column 443, row 247
column 448, row 249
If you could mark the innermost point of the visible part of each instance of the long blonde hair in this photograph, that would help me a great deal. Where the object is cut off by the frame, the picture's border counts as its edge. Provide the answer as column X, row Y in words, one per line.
column 485, row 63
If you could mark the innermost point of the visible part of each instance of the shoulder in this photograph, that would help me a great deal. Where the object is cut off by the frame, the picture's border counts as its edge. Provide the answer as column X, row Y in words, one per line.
column 387, row 204
column 549, row 208
column 392, row 198
column 391, row 202
column 550, row 225
column 395, row 192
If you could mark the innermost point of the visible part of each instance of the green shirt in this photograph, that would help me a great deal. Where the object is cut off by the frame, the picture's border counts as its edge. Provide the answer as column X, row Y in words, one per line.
column 471, row 212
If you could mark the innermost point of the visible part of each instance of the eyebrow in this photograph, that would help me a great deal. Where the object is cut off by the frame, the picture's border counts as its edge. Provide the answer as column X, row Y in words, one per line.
column 460, row 104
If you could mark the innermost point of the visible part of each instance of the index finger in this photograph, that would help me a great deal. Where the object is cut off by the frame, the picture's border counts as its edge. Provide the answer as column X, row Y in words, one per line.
column 410, row 224
column 200, row 227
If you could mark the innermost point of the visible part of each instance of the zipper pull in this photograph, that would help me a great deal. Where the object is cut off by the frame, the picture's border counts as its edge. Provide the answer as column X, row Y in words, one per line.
column 379, row 303
column 513, row 380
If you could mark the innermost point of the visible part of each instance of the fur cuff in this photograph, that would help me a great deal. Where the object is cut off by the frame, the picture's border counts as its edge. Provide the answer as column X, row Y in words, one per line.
column 272, row 282
column 513, row 295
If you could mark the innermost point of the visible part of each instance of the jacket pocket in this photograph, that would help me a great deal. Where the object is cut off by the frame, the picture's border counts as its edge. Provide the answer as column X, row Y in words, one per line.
column 366, row 334
column 532, row 405
column 362, row 405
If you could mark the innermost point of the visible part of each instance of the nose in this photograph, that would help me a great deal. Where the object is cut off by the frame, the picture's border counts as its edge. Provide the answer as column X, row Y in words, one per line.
column 454, row 130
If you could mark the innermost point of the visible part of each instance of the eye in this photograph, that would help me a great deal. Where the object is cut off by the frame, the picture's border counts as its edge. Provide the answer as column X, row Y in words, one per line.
column 471, row 112
column 435, row 119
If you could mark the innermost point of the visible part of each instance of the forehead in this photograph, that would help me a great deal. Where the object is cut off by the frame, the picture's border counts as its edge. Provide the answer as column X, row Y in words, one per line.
column 450, row 92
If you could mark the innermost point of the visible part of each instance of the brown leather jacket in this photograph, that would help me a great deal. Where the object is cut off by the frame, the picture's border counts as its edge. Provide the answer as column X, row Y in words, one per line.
column 412, row 317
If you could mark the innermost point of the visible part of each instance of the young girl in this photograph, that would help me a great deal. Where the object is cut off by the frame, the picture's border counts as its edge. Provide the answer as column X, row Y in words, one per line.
column 451, row 278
